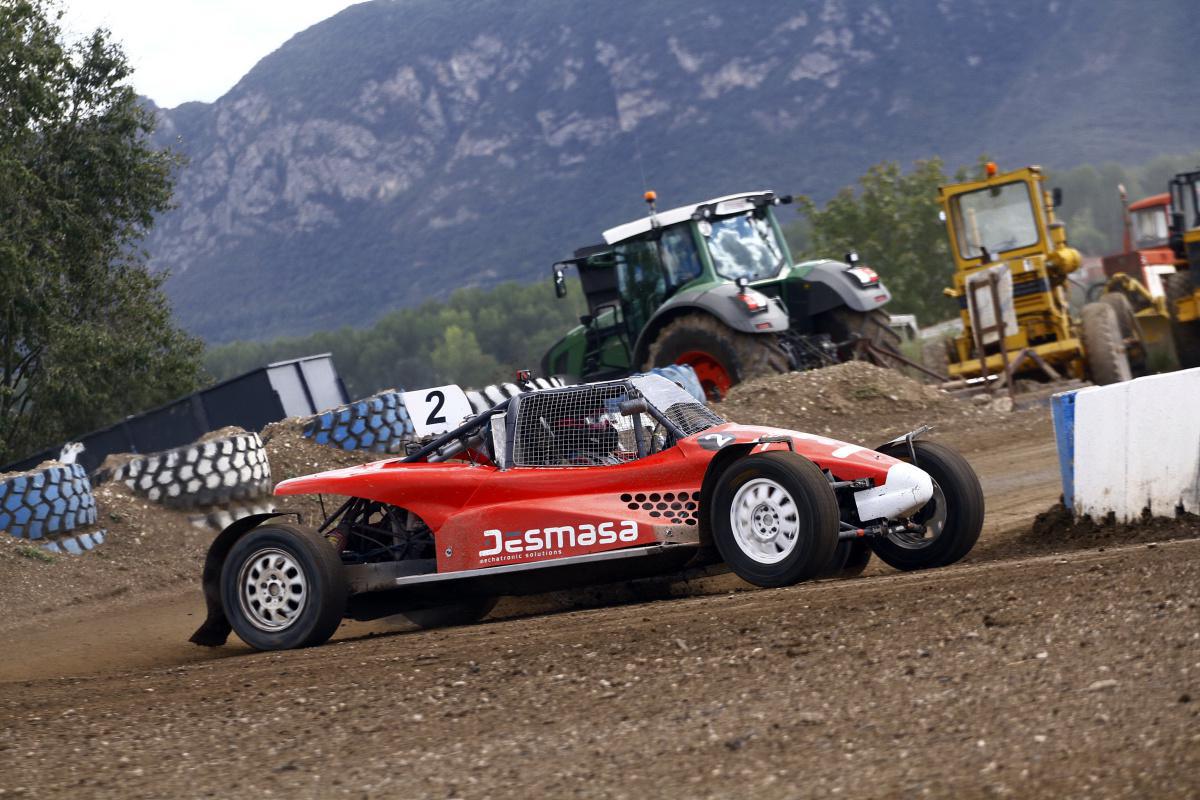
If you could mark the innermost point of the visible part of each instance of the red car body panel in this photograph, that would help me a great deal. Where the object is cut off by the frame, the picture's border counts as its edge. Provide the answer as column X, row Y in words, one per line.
column 483, row 516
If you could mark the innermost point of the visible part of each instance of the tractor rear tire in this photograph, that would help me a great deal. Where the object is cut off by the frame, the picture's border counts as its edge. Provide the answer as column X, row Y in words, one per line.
column 1131, row 331
column 1186, row 334
column 720, row 355
column 1103, row 345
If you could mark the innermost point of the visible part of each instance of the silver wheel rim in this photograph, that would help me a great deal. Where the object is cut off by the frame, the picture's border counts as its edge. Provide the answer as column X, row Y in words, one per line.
column 932, row 515
column 765, row 521
column 272, row 589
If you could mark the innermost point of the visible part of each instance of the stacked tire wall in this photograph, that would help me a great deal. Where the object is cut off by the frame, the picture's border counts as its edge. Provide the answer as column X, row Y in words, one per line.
column 226, row 470
column 48, row 506
column 379, row 423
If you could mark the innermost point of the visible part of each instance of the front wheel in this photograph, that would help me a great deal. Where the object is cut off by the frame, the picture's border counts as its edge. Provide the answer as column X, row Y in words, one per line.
column 283, row 586
column 953, row 517
column 775, row 519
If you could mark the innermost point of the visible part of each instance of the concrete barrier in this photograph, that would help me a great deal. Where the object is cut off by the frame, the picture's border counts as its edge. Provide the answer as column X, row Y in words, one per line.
column 1132, row 446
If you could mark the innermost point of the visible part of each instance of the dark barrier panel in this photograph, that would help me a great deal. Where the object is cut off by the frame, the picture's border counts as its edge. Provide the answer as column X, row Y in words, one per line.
column 249, row 401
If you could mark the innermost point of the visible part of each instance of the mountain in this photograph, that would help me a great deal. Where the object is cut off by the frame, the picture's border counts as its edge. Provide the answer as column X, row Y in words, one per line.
column 404, row 148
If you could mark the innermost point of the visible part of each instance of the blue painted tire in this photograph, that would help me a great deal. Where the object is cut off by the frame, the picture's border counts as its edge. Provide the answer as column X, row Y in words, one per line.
column 379, row 423
column 77, row 544
column 42, row 502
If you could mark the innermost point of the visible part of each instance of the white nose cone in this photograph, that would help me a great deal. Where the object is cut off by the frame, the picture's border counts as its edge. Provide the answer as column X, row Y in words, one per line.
column 906, row 490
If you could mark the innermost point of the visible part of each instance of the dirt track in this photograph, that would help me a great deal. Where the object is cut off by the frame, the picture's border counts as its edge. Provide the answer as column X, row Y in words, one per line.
column 1014, row 673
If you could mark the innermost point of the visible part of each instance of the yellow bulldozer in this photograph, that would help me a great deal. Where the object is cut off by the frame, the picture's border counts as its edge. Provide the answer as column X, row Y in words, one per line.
column 1183, row 288
column 1012, row 263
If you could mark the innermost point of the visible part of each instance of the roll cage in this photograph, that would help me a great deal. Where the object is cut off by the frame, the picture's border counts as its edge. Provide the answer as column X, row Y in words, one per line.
column 629, row 398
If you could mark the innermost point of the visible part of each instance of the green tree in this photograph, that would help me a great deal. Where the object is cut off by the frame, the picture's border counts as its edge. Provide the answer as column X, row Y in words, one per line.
column 85, row 331
column 475, row 337
column 892, row 222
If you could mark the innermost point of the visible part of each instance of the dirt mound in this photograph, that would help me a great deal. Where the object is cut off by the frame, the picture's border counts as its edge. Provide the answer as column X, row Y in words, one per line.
column 856, row 401
column 147, row 547
column 291, row 456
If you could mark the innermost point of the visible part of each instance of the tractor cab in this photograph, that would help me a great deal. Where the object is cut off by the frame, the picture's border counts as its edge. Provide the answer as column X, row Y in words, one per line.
column 733, row 241
column 712, row 285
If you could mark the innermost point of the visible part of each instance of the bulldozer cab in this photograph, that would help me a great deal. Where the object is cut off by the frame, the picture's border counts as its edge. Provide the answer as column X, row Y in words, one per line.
column 1001, row 217
column 1003, row 226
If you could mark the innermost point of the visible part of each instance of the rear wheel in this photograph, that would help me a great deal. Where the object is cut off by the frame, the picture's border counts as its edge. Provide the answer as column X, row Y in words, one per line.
column 464, row 613
column 850, row 558
column 1131, row 331
column 720, row 355
column 283, row 586
column 953, row 517
column 775, row 519
column 1103, row 345
column 1178, row 286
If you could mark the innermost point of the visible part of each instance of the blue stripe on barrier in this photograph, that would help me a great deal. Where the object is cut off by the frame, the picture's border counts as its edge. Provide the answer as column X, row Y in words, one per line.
column 1062, row 408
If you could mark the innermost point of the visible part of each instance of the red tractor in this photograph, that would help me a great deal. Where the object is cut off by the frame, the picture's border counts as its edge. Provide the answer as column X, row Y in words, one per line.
column 1147, row 253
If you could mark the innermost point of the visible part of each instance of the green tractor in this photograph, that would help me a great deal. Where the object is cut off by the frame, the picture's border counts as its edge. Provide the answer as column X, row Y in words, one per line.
column 713, row 285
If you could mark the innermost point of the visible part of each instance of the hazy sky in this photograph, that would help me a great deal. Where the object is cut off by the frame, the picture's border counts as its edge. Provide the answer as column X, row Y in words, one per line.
column 195, row 49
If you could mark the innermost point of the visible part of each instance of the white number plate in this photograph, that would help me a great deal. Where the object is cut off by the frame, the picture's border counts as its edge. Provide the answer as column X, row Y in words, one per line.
column 437, row 410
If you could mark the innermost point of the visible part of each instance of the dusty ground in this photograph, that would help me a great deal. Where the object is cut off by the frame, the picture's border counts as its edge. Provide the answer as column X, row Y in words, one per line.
column 1054, row 661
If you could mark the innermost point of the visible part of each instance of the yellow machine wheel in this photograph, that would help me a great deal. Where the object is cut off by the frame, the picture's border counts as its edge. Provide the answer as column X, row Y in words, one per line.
column 1103, row 345
column 1186, row 334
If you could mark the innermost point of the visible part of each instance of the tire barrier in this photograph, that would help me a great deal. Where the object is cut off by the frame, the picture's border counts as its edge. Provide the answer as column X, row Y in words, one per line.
column 76, row 545
column 54, row 499
column 213, row 473
column 495, row 394
column 1130, row 448
column 222, row 518
column 379, row 423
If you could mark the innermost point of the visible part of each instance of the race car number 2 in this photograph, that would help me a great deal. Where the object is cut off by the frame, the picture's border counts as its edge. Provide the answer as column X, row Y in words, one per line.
column 437, row 410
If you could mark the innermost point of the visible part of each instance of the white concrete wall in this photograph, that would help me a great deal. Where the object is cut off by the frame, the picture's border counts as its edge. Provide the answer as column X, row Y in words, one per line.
column 1137, row 446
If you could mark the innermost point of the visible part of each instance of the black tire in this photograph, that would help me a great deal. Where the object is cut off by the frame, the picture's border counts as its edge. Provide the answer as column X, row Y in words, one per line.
column 743, row 356
column 46, row 501
column 957, row 495
column 1131, row 331
column 321, row 604
column 1176, row 287
column 807, row 504
column 850, row 558
column 213, row 473
column 845, row 325
column 1103, row 345
column 466, row 612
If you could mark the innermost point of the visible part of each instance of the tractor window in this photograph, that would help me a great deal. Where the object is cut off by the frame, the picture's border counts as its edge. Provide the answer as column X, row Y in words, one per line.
column 995, row 219
column 1150, row 227
column 744, row 246
column 680, row 260
column 641, row 281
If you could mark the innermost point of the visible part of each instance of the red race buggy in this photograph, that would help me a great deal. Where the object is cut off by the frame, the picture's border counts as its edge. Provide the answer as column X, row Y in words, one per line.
column 585, row 484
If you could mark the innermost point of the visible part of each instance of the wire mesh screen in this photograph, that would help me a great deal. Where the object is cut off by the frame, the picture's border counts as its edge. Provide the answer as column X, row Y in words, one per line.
column 582, row 427
column 692, row 417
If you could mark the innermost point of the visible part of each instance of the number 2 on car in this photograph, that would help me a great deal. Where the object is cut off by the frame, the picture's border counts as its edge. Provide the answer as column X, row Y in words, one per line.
column 437, row 410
